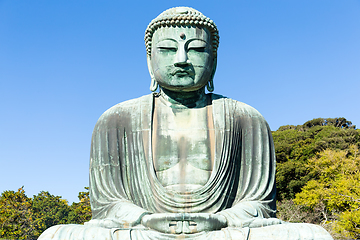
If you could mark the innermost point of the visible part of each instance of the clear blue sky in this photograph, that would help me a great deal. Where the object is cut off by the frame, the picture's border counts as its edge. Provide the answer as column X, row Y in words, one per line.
column 63, row 63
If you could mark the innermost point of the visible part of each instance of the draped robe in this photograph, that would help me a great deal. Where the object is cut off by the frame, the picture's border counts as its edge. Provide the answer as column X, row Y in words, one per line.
column 124, row 186
column 123, row 183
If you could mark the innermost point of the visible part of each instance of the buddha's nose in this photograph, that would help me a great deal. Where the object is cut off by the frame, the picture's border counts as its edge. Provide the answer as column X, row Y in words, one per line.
column 181, row 58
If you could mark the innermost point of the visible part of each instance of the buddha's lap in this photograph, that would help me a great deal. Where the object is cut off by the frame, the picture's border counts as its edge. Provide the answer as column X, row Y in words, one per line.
column 291, row 231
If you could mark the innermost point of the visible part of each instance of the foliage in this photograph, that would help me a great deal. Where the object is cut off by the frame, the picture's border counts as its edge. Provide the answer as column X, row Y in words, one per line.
column 288, row 211
column 291, row 176
column 336, row 122
column 294, row 145
column 336, row 187
column 26, row 218
column 81, row 211
column 16, row 218
column 49, row 210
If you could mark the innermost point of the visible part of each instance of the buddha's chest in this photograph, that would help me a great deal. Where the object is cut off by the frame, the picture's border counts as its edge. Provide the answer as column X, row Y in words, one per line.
column 182, row 145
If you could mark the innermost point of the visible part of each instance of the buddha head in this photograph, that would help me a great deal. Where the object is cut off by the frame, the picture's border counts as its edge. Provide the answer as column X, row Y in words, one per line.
column 181, row 45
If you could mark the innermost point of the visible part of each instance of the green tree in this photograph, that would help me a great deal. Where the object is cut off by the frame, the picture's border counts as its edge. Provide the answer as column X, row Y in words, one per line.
column 81, row 211
column 25, row 218
column 294, row 145
column 291, row 176
column 49, row 210
column 16, row 218
column 336, row 186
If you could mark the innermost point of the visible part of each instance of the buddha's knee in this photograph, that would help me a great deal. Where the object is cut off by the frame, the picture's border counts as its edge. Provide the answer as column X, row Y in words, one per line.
column 77, row 232
column 293, row 231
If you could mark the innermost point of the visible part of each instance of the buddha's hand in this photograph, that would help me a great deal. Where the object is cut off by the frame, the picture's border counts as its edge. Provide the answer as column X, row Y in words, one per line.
column 184, row 222
column 262, row 222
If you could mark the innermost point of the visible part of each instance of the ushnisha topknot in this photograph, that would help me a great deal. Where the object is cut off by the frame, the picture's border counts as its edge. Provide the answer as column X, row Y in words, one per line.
column 181, row 16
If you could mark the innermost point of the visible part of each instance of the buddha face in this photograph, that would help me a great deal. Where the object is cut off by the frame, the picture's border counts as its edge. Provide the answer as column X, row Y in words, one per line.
column 182, row 58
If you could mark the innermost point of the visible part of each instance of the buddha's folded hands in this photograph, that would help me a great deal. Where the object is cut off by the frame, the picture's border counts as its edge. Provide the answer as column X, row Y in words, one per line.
column 184, row 222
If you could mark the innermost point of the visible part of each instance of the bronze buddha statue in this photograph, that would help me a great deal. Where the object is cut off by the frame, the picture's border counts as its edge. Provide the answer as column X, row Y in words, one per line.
column 182, row 163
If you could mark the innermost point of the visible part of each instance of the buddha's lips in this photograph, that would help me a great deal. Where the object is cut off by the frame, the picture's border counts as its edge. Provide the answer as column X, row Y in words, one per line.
column 182, row 72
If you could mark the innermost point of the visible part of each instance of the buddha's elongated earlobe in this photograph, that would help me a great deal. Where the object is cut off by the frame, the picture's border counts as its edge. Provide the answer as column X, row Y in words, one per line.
column 210, row 85
column 153, row 85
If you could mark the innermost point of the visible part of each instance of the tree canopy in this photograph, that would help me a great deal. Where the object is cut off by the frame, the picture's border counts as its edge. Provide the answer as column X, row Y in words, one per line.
column 295, row 145
column 49, row 210
column 318, row 170
column 16, row 216
column 22, row 217
column 81, row 211
column 335, row 185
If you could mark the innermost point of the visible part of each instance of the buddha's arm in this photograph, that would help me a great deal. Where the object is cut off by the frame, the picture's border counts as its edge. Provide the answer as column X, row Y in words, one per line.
column 255, row 195
column 249, row 214
column 112, row 202
column 109, row 206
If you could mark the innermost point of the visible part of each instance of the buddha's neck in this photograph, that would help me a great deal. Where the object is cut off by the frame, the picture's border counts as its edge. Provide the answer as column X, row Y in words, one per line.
column 183, row 99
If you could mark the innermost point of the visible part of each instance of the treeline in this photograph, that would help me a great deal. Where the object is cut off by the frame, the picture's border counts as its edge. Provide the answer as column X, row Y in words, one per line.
column 22, row 217
column 317, row 177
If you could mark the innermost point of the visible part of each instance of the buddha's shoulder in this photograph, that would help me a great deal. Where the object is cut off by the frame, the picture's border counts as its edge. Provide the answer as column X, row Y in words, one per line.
column 236, row 107
column 127, row 109
column 130, row 106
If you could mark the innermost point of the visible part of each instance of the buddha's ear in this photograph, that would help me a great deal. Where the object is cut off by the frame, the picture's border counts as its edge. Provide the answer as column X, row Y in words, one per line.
column 148, row 58
column 214, row 68
column 153, row 84
column 210, row 83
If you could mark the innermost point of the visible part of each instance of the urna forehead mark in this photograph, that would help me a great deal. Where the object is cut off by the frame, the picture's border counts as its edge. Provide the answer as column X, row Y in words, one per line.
column 179, row 34
column 182, row 35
